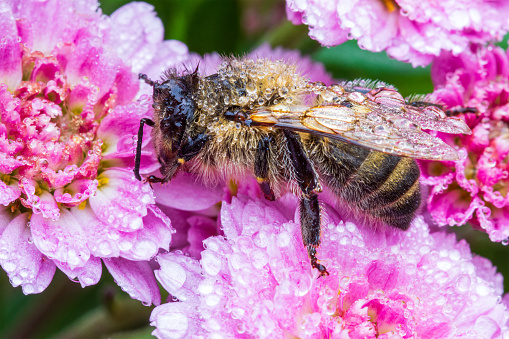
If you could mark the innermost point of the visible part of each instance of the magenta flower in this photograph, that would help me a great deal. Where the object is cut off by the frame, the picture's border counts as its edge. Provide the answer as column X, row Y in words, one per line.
column 67, row 121
column 408, row 30
column 475, row 188
column 256, row 281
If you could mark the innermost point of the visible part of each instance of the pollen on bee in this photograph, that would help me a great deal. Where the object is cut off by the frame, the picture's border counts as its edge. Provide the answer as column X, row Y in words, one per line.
column 260, row 180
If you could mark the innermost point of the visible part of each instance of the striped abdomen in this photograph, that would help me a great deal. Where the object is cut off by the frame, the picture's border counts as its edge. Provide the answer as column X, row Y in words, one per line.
column 375, row 186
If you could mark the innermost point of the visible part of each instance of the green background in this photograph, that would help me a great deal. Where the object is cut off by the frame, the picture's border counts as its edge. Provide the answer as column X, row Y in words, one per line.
column 65, row 310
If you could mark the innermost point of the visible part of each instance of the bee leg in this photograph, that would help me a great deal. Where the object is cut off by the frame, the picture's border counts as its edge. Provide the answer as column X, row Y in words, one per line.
column 261, row 167
column 310, row 228
column 309, row 206
column 137, row 158
column 153, row 179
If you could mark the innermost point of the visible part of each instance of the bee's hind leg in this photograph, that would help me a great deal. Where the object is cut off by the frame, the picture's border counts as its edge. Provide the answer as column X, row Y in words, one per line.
column 310, row 226
column 309, row 206
column 261, row 167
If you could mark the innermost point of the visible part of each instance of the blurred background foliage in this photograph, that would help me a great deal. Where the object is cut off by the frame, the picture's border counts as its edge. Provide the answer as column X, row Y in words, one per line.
column 65, row 310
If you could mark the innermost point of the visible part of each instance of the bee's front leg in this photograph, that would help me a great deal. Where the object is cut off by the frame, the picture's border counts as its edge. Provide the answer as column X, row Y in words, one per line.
column 309, row 207
column 261, row 167
column 139, row 141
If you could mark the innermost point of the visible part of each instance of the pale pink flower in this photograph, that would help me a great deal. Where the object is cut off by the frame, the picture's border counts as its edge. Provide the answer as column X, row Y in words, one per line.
column 408, row 30
column 67, row 119
column 256, row 281
column 475, row 188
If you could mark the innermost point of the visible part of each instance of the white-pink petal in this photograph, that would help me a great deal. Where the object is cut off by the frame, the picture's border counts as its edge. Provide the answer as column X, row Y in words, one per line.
column 64, row 240
column 135, row 278
column 87, row 275
column 21, row 260
column 184, row 193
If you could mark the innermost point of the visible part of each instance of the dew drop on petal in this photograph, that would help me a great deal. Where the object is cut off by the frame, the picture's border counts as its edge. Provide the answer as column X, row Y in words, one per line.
column 173, row 325
column 444, row 265
column 283, row 239
column 482, row 289
column 9, row 266
column 28, row 289
column 206, row 286
column 136, row 223
column 212, row 300
column 210, row 262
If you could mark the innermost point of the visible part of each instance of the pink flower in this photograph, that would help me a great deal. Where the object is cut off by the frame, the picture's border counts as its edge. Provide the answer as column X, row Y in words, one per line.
column 408, row 30
column 67, row 121
column 474, row 189
column 256, row 281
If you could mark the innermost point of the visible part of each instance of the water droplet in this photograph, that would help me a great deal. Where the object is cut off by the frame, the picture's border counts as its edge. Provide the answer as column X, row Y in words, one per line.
column 283, row 91
column 251, row 88
column 463, row 283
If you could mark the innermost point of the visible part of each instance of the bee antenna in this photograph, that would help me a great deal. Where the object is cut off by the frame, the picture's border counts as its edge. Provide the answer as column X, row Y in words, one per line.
column 147, row 80
column 196, row 69
column 194, row 75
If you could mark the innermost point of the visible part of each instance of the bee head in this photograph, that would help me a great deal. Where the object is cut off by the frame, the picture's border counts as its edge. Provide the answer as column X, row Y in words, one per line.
column 174, row 108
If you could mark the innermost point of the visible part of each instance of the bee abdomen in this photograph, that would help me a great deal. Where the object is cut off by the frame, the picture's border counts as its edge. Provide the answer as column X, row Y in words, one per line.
column 401, row 184
column 401, row 212
column 395, row 198
column 369, row 177
column 378, row 186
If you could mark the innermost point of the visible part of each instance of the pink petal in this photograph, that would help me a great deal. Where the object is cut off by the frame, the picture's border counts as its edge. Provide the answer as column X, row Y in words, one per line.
column 102, row 239
column 200, row 228
column 175, row 320
column 63, row 240
column 136, row 33
column 135, row 278
column 82, row 190
column 87, row 275
column 169, row 53
column 45, row 203
column 21, row 259
column 120, row 126
column 8, row 193
column 10, row 61
column 145, row 243
column 180, row 275
column 184, row 193
column 121, row 201
column 100, row 66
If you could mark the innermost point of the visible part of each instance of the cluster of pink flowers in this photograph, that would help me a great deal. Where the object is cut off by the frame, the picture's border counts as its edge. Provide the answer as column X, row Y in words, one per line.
column 68, row 114
column 256, row 281
column 475, row 188
column 408, row 30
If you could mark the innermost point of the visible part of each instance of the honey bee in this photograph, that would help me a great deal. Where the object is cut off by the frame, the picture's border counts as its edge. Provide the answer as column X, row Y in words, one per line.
column 262, row 118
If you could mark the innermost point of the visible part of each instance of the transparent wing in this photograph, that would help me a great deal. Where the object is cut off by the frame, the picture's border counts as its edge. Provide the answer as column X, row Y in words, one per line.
column 379, row 119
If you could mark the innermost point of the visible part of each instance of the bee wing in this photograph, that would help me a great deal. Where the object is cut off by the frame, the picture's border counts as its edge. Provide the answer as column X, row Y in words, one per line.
column 381, row 126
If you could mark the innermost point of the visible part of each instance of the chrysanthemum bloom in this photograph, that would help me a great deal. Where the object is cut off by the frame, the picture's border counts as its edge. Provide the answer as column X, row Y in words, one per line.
column 257, row 281
column 69, row 198
column 408, row 30
column 475, row 188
